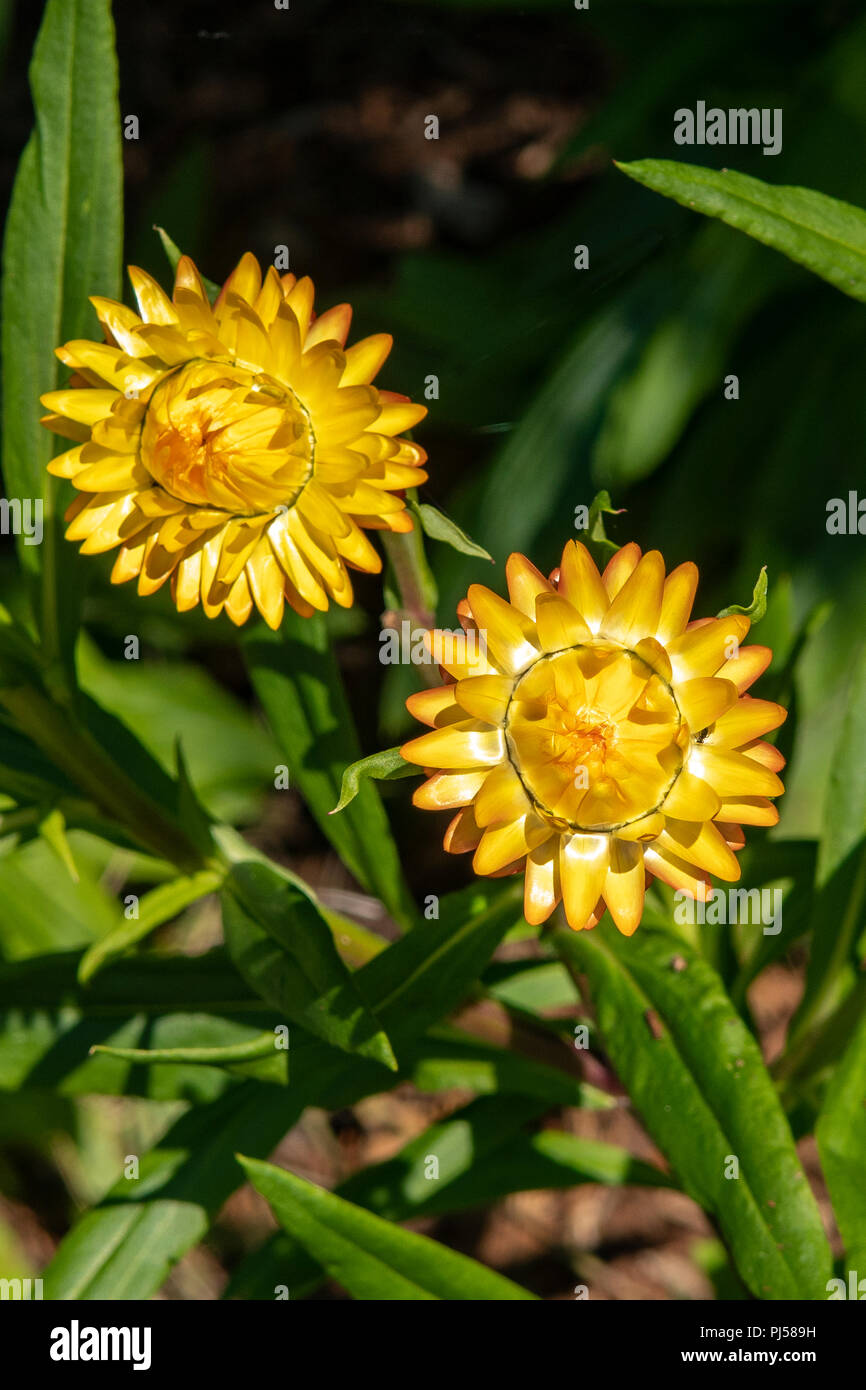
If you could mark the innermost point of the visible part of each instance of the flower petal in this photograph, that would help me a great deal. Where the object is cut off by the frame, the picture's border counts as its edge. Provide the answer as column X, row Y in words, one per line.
column 509, row 637
column 458, row 746
column 542, row 890
column 704, row 699
column 731, row 774
column 634, row 612
column 583, row 865
column 677, row 599
column 559, row 624
column 748, row 719
column 624, row 885
column 580, row 583
column 525, row 583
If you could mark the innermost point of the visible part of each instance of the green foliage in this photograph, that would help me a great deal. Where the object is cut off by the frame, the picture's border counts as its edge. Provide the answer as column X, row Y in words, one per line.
column 823, row 234
column 169, row 988
column 697, row 1077
column 160, row 905
column 283, row 947
column 370, row 1257
column 386, row 766
column 62, row 243
column 440, row 528
column 757, row 608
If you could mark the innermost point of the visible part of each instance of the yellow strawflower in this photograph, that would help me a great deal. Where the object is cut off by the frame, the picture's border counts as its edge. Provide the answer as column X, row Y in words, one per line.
column 236, row 449
column 594, row 737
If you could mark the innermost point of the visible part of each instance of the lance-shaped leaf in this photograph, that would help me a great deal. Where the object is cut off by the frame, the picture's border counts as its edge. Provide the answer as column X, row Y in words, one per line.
column 696, row 1075
column 482, row 1154
column 265, row 1056
column 283, row 947
column 386, row 766
column 63, row 243
column 597, row 540
column 823, row 234
column 160, row 905
column 440, row 527
column 50, row 1024
column 370, row 1257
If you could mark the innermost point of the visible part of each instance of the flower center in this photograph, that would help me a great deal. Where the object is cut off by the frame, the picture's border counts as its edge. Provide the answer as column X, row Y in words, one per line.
column 218, row 435
column 596, row 737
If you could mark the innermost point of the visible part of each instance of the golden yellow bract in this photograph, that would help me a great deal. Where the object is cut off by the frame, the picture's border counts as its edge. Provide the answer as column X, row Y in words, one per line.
column 239, row 450
column 592, row 736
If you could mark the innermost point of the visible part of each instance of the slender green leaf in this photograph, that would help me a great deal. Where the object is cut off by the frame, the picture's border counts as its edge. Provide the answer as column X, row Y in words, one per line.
column 715, row 287
column 696, row 1074
column 298, row 681
column 596, row 538
column 283, row 946
column 446, row 1058
column 387, row 766
column 439, row 527
column 427, row 973
column 757, row 608
column 823, row 234
column 147, row 983
column 155, row 908
column 481, row 1153
column 52, row 829
column 248, row 1057
column 395, row 1190
column 127, row 785
column 63, row 243
column 50, row 1024
column 370, row 1257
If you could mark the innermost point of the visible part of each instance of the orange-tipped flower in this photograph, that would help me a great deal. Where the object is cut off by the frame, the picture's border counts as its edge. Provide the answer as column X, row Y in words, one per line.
column 593, row 736
column 237, row 449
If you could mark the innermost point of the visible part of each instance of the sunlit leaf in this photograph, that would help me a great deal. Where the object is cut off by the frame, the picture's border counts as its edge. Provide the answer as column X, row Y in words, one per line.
column 370, row 1257
column 387, row 766
column 823, row 234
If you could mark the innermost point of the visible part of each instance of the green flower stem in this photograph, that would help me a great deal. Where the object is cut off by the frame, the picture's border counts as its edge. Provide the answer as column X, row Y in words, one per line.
column 415, row 585
column 417, row 588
